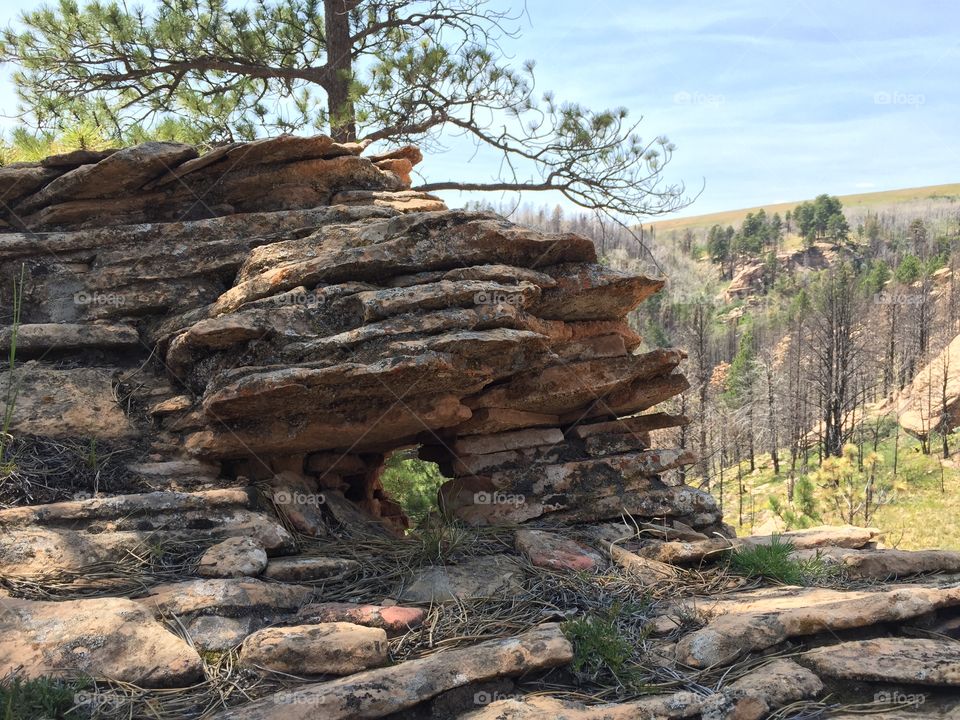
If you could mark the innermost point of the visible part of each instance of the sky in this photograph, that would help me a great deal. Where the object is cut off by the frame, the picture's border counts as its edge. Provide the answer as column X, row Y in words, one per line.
column 766, row 101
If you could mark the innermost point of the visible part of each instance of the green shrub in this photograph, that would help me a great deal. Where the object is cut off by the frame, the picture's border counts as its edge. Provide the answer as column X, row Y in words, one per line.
column 413, row 483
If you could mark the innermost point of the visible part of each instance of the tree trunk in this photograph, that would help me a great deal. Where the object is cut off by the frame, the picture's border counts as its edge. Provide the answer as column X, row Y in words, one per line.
column 336, row 82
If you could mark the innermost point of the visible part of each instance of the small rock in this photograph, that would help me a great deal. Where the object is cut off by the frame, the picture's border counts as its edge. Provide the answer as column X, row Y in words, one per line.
column 336, row 648
column 550, row 550
column 394, row 619
column 234, row 557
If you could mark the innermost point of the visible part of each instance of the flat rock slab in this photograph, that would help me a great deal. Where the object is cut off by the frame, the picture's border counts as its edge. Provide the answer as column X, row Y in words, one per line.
column 104, row 637
column 884, row 564
column 751, row 697
column 480, row 577
column 378, row 693
column 77, row 403
column 554, row 551
column 893, row 660
column 225, row 597
column 309, row 568
column 41, row 337
column 336, row 648
column 733, row 635
column 394, row 619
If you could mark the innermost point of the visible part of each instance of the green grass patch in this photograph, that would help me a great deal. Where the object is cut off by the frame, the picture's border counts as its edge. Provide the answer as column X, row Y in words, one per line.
column 39, row 698
column 776, row 562
column 601, row 650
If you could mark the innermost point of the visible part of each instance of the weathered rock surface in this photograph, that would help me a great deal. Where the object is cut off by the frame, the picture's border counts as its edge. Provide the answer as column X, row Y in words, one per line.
column 313, row 305
column 912, row 661
column 43, row 540
column 103, row 637
column 377, row 693
column 479, row 577
column 229, row 597
column 335, row 648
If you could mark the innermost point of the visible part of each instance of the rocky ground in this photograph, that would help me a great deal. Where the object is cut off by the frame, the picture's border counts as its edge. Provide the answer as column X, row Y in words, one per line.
column 208, row 360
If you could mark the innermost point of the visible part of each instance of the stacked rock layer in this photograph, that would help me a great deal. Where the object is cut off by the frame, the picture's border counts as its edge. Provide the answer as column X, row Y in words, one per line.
column 305, row 314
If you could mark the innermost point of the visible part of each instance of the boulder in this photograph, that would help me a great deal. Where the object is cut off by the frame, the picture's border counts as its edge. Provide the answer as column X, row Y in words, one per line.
column 887, row 563
column 76, row 402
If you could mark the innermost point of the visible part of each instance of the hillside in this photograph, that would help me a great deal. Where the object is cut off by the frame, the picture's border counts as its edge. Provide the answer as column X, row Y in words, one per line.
column 875, row 201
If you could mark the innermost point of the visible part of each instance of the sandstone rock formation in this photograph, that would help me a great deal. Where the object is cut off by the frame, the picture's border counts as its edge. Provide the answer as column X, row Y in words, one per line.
column 287, row 307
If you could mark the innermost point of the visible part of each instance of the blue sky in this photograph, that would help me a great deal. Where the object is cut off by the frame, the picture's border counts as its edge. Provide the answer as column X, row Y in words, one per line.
column 766, row 101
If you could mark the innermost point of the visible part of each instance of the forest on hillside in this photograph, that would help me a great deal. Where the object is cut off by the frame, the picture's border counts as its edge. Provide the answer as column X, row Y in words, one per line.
column 801, row 333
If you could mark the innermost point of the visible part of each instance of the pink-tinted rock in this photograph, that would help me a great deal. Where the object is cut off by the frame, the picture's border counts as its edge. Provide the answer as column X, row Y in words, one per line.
column 551, row 550
column 394, row 619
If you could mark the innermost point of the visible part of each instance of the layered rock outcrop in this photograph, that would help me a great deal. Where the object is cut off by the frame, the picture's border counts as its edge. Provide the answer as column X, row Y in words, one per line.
column 288, row 307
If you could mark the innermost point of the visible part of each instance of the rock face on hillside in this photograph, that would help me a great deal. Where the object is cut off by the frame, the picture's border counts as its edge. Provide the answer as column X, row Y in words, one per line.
column 932, row 400
column 290, row 306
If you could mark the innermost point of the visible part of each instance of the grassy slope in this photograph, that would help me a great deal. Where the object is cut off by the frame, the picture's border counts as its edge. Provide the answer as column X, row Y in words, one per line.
column 918, row 515
column 863, row 200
